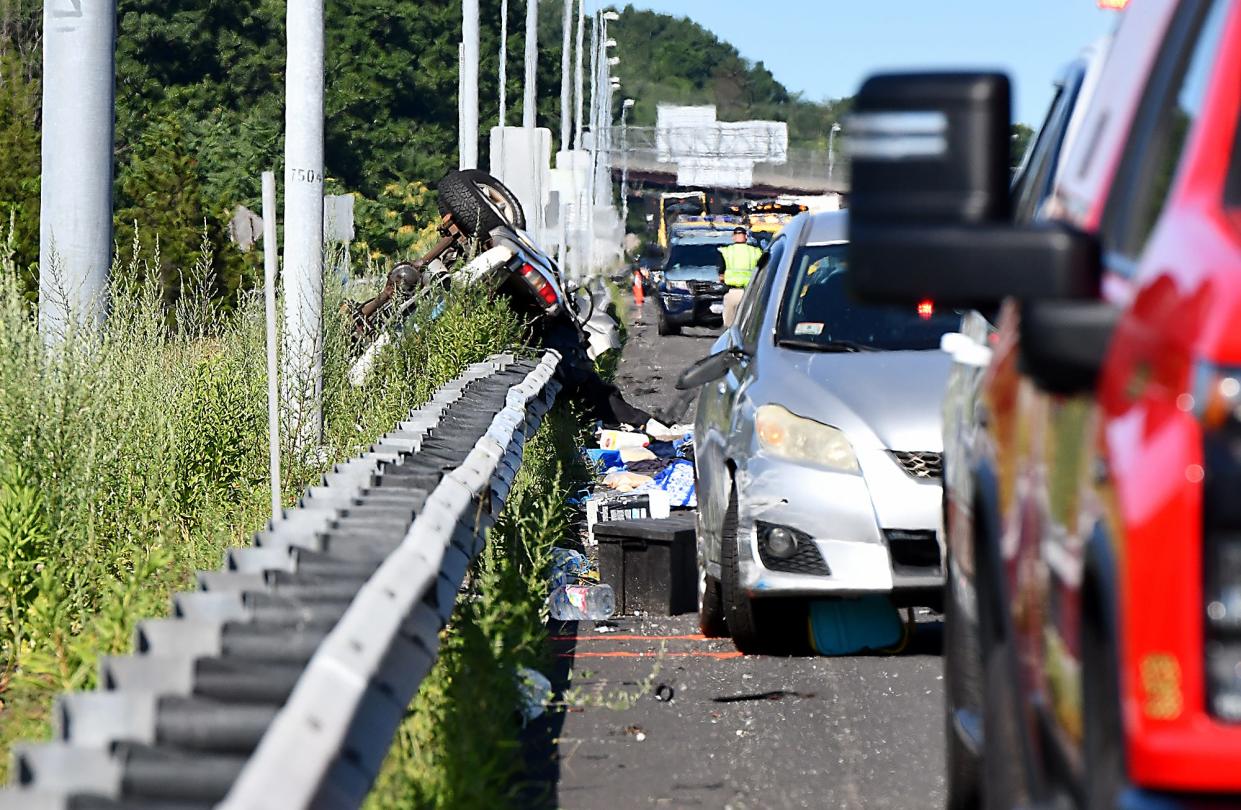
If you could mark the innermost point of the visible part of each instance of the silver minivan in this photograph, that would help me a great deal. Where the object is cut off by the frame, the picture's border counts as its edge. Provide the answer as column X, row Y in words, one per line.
column 818, row 442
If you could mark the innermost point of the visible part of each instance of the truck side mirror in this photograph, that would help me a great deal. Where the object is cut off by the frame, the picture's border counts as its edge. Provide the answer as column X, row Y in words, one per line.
column 931, row 214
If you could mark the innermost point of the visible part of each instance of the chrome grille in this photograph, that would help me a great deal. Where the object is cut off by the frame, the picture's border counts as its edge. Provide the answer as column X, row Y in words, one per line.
column 705, row 287
column 926, row 466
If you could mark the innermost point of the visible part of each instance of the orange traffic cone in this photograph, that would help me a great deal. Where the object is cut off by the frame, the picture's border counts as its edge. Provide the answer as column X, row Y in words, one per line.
column 638, row 297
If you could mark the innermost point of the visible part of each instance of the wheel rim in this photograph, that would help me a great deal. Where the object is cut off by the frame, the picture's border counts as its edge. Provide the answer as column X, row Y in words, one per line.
column 498, row 204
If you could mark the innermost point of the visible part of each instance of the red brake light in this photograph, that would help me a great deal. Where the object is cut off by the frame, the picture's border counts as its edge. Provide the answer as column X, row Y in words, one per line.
column 926, row 309
column 543, row 289
column 1113, row 5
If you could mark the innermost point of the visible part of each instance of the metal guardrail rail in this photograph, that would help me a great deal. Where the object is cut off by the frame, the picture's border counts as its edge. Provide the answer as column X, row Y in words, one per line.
column 281, row 681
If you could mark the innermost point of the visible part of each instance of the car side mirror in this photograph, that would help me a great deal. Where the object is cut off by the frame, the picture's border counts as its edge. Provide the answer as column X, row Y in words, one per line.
column 930, row 213
column 709, row 369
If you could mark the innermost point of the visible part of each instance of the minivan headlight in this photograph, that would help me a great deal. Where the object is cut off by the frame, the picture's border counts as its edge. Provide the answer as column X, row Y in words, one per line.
column 796, row 438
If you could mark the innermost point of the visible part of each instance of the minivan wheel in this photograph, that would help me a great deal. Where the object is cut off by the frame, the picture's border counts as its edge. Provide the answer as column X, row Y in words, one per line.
column 739, row 611
column 960, row 674
column 711, row 607
column 1103, row 730
column 663, row 325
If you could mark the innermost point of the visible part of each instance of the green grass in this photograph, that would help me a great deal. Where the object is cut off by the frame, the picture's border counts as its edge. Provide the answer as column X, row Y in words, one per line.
column 131, row 457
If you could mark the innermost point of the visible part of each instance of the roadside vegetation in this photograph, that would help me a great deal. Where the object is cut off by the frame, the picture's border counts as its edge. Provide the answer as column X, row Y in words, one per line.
column 133, row 456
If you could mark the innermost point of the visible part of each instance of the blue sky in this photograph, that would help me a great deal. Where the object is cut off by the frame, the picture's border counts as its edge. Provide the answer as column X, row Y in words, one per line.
column 824, row 48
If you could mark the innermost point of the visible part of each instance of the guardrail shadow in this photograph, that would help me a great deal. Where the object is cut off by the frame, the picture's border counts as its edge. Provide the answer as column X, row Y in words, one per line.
column 539, row 788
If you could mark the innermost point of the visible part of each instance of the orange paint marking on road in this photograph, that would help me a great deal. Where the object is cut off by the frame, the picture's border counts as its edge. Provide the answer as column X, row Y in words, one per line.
column 719, row 655
column 688, row 637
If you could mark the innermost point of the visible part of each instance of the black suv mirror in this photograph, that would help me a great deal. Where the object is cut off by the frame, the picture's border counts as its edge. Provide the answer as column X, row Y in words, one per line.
column 930, row 209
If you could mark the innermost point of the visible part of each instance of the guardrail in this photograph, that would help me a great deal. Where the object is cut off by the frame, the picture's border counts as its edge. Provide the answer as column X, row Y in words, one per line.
column 281, row 681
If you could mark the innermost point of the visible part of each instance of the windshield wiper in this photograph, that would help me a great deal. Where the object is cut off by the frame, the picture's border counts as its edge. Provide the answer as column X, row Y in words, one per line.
column 825, row 345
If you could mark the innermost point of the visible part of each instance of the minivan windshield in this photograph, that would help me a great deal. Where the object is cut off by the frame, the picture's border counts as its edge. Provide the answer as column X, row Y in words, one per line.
column 818, row 314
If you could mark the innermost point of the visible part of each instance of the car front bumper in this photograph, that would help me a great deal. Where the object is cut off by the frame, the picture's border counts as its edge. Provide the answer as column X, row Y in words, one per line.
column 852, row 520
column 683, row 309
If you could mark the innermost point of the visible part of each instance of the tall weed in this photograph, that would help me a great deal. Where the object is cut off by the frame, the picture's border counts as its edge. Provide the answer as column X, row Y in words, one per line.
column 132, row 455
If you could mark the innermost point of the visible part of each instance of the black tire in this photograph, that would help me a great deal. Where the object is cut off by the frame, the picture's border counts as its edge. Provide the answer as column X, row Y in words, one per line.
column 479, row 203
column 961, row 675
column 1104, row 732
column 1002, row 783
column 739, row 612
column 663, row 325
column 711, row 609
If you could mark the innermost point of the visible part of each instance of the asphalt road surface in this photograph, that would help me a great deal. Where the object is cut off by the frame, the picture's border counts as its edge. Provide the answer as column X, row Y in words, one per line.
column 738, row 731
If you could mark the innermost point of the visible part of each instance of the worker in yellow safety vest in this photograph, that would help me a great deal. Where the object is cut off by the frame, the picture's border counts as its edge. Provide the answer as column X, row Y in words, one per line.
column 740, row 260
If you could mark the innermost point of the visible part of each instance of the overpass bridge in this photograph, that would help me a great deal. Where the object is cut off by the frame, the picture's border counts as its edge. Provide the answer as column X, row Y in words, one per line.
column 636, row 151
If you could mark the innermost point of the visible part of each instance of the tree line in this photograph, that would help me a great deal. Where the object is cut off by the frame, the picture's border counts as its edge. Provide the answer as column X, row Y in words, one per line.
column 199, row 112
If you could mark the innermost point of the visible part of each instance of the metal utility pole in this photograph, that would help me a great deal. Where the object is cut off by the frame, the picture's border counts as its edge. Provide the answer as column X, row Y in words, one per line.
column 468, row 136
column 626, row 106
column 592, row 182
column 503, row 60
column 529, row 109
column 75, row 223
column 566, row 93
column 303, row 221
column 831, row 152
column 578, row 78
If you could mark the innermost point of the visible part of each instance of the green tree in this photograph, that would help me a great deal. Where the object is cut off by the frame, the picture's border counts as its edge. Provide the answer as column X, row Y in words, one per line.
column 20, row 101
column 160, row 195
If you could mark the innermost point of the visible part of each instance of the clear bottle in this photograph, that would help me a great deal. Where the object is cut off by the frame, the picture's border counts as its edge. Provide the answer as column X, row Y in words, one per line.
column 571, row 603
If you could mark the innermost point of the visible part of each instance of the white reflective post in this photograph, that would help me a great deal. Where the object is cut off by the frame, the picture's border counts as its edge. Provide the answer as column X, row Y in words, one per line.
column 271, row 268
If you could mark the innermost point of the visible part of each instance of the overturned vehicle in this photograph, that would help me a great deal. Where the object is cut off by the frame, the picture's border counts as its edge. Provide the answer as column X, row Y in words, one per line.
column 483, row 240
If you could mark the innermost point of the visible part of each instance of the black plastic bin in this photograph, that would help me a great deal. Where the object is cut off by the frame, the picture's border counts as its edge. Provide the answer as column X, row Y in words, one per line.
column 651, row 564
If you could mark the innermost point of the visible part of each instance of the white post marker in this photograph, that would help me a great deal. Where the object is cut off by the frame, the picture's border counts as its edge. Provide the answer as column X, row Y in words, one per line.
column 468, row 137
column 303, row 222
column 271, row 268
column 75, row 223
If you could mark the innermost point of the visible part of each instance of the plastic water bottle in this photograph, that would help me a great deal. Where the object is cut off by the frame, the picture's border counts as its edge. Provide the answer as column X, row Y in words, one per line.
column 570, row 603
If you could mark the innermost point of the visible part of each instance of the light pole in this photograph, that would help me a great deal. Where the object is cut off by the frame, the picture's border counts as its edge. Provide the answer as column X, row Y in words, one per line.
column 529, row 104
column 75, row 228
column 566, row 91
column 578, row 80
column 303, row 221
column 626, row 106
column 468, row 138
column 831, row 153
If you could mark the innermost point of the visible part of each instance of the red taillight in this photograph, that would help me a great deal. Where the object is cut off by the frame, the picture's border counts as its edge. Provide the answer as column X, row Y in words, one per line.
column 541, row 286
column 1113, row 5
column 926, row 309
